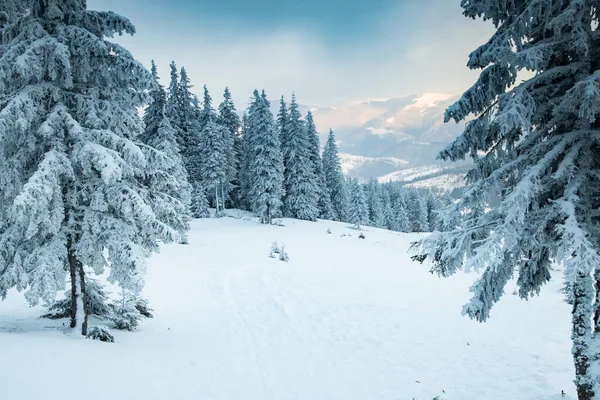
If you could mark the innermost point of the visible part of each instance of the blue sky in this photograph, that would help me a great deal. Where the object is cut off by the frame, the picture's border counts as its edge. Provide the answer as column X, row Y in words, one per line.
column 330, row 52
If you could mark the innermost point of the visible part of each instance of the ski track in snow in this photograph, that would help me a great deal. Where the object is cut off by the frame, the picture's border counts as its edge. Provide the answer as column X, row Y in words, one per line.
column 343, row 319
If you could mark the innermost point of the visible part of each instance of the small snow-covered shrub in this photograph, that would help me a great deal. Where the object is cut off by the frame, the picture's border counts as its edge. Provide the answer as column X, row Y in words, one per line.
column 274, row 250
column 129, row 311
column 362, row 236
column 329, row 231
column 283, row 256
column 101, row 333
column 277, row 222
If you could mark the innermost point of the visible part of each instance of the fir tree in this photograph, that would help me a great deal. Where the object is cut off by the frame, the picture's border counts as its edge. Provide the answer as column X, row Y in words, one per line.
column 199, row 202
column 244, row 159
column 300, row 183
column 388, row 211
column 71, row 175
column 265, row 164
column 358, row 213
column 334, row 179
column 535, row 143
column 208, row 113
column 214, row 168
column 229, row 118
column 375, row 204
column 189, row 127
column 324, row 203
column 401, row 221
column 417, row 206
column 167, row 179
column 173, row 106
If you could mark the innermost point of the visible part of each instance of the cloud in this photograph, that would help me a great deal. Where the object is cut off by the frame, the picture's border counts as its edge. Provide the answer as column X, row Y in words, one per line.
column 418, row 47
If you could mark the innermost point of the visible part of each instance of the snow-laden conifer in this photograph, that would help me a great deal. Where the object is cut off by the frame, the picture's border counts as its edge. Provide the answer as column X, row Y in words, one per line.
column 300, row 182
column 324, row 203
column 229, row 118
column 334, row 180
column 215, row 169
column 265, row 164
column 71, row 172
column 535, row 140
column 358, row 213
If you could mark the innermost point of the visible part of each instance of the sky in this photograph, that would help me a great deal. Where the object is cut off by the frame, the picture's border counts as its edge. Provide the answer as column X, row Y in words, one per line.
column 328, row 52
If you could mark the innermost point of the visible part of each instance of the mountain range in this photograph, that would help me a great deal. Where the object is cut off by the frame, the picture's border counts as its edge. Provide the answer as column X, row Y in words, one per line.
column 394, row 139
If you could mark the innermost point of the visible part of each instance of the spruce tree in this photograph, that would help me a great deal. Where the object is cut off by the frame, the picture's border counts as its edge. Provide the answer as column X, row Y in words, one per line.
column 324, row 203
column 214, row 167
column 244, row 160
column 173, row 106
column 417, row 205
column 189, row 127
column 167, row 179
column 375, row 204
column 208, row 113
column 334, row 179
column 300, row 183
column 199, row 202
column 71, row 173
column 229, row 118
column 401, row 221
column 535, row 143
column 358, row 213
column 265, row 163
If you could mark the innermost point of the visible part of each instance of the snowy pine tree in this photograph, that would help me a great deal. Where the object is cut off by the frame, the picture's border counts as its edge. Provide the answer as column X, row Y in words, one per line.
column 401, row 221
column 173, row 106
column 417, row 206
column 199, row 202
column 189, row 127
column 167, row 179
column 375, row 204
column 332, row 169
column 358, row 212
column 535, row 144
column 265, row 163
column 324, row 203
column 214, row 168
column 71, row 175
column 229, row 118
column 300, row 183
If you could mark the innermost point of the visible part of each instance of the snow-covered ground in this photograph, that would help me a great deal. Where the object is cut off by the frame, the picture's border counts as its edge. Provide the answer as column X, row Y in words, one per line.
column 345, row 318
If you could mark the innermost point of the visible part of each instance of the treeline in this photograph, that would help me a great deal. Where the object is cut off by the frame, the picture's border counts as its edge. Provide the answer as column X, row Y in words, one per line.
column 272, row 166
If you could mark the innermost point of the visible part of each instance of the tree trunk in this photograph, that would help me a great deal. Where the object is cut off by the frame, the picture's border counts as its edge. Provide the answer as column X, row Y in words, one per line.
column 73, row 272
column 217, row 198
column 581, row 335
column 84, row 325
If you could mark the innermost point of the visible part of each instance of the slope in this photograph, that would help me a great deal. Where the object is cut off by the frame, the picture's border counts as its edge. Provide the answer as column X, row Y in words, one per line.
column 344, row 319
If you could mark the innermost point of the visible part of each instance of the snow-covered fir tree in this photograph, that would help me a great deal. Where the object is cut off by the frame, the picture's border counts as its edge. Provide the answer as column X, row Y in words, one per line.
column 244, row 160
column 358, row 212
column 199, row 202
column 324, row 203
column 265, row 163
column 207, row 113
column 417, row 206
column 332, row 169
column 71, row 173
column 374, row 203
column 401, row 221
column 189, row 127
column 388, row 210
column 433, row 205
column 214, row 167
column 281, row 123
column 300, row 182
column 167, row 179
column 535, row 143
column 229, row 118
column 173, row 106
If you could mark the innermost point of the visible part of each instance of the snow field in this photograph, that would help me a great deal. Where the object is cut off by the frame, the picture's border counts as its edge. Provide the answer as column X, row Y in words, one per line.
column 343, row 319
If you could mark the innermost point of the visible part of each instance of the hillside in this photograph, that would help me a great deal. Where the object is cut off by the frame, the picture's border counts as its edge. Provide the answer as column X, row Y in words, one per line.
column 344, row 319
